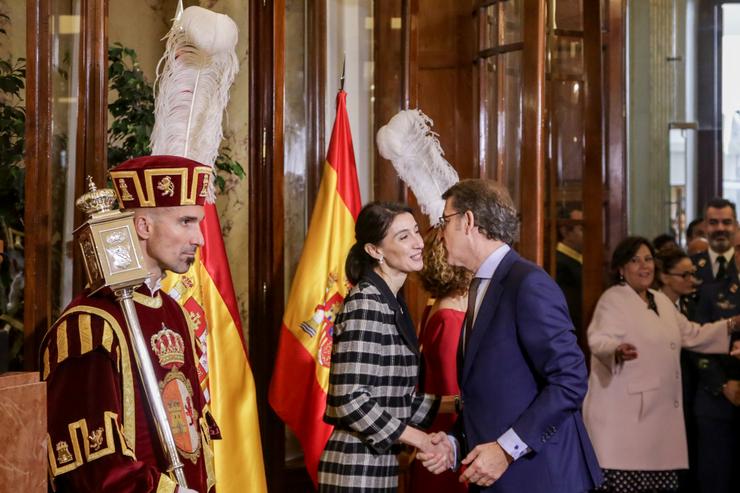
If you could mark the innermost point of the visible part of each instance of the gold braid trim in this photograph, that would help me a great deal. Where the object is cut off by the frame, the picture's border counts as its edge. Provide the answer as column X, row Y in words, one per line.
column 166, row 484
column 123, row 358
column 99, row 443
column 150, row 301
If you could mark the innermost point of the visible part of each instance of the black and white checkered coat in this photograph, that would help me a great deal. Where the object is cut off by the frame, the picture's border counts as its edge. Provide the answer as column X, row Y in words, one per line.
column 372, row 391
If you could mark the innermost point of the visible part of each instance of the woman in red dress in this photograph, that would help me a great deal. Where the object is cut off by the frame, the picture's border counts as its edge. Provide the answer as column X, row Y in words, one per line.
column 440, row 332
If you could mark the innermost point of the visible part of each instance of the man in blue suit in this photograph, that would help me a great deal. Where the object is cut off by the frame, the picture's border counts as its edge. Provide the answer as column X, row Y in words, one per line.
column 522, row 375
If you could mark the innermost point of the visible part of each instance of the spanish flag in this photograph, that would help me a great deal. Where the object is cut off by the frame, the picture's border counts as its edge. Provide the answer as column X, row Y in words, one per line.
column 301, row 375
column 207, row 295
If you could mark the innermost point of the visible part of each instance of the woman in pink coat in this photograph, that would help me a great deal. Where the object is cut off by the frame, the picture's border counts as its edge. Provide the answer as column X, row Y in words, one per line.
column 633, row 408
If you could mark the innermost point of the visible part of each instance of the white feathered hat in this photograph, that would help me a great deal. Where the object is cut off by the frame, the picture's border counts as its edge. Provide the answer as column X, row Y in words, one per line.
column 192, row 86
column 408, row 141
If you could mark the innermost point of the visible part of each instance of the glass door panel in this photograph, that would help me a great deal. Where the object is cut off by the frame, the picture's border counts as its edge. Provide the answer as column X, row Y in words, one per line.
column 509, row 118
column 566, row 151
column 65, row 60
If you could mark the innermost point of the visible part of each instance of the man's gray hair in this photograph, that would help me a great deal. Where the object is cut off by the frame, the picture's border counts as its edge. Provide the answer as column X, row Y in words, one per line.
column 491, row 205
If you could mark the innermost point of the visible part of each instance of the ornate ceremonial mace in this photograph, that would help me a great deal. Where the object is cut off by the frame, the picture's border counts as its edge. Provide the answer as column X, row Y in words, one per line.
column 113, row 258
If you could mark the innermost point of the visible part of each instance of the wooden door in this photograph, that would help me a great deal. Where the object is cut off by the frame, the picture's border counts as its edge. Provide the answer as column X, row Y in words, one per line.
column 65, row 134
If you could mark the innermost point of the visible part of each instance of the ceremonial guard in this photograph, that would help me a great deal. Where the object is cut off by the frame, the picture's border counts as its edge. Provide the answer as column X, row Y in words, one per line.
column 127, row 380
column 715, row 398
column 102, row 434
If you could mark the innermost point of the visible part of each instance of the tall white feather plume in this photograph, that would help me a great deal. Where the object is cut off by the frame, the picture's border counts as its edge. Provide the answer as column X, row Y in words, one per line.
column 408, row 142
column 192, row 86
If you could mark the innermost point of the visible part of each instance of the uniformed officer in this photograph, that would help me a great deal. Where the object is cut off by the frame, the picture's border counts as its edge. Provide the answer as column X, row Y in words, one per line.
column 717, row 394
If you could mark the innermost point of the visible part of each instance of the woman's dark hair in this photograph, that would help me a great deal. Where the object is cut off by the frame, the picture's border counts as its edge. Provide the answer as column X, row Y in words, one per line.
column 372, row 225
column 624, row 252
column 663, row 240
column 666, row 259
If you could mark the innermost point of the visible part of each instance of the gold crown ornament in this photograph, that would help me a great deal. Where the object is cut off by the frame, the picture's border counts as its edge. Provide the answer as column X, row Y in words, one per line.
column 169, row 347
column 109, row 243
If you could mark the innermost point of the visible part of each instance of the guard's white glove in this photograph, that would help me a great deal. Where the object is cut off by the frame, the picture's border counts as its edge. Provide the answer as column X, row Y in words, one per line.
column 180, row 489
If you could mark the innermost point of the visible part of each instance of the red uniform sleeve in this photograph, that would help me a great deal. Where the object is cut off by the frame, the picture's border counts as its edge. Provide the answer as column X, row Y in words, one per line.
column 87, row 448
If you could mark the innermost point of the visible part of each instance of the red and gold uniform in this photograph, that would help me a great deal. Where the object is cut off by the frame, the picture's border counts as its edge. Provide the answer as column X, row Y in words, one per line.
column 101, row 433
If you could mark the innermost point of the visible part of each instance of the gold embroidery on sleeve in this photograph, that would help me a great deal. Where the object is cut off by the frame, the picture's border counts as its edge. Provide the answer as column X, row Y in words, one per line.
column 62, row 342
column 107, row 336
column 47, row 368
column 85, row 332
column 124, row 366
column 96, row 438
column 166, row 485
column 98, row 443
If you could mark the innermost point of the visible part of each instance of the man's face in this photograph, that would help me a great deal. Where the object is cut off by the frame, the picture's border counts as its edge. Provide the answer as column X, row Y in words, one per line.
column 721, row 226
column 453, row 235
column 698, row 231
column 573, row 236
column 175, row 237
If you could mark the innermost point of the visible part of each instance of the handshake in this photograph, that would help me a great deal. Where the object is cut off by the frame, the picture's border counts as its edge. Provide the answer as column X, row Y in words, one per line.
column 436, row 453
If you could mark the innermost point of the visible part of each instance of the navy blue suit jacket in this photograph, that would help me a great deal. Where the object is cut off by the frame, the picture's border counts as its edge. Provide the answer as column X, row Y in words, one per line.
column 523, row 369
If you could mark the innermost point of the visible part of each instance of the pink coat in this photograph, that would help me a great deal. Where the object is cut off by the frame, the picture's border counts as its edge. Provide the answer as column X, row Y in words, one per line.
column 634, row 411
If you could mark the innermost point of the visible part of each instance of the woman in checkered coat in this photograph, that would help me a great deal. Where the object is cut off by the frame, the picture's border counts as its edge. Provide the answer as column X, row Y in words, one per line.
column 372, row 400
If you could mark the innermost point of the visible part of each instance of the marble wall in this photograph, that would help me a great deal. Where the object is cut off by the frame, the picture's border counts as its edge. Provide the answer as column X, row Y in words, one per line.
column 23, row 456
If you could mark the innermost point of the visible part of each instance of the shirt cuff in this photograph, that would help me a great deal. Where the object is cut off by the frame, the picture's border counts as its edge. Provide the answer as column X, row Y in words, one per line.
column 455, row 447
column 512, row 444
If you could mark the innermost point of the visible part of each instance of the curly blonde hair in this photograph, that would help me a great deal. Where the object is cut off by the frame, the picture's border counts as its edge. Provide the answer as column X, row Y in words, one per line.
column 438, row 277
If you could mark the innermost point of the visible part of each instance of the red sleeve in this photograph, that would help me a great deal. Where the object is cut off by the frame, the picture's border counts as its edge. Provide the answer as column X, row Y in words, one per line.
column 87, row 450
column 440, row 338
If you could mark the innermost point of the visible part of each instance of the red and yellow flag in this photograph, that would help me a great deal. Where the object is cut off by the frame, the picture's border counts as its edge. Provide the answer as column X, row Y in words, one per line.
column 301, row 376
column 206, row 292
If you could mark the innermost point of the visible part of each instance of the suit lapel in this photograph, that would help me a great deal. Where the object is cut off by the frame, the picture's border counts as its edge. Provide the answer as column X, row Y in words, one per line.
column 487, row 310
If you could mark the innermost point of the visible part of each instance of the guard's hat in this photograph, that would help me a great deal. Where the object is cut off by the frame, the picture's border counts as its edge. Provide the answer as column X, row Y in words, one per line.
column 160, row 181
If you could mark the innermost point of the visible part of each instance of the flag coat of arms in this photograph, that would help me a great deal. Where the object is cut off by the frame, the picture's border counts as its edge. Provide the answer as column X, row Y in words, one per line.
column 206, row 293
column 301, row 376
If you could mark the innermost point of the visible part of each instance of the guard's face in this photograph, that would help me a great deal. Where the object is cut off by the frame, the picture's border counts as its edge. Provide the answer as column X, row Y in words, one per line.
column 639, row 270
column 175, row 237
column 402, row 246
column 721, row 225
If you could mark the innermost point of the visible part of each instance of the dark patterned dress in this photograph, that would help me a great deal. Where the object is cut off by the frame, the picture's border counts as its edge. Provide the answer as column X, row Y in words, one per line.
column 372, row 397
column 616, row 481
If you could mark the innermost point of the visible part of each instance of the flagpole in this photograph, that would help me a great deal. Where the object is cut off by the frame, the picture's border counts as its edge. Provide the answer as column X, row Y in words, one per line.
column 341, row 79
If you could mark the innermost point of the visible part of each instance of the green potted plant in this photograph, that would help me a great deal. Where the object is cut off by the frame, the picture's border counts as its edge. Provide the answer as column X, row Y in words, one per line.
column 12, row 179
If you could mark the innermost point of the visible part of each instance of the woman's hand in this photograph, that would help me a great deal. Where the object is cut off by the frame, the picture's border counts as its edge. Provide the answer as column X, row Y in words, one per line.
column 735, row 350
column 625, row 352
column 436, row 453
